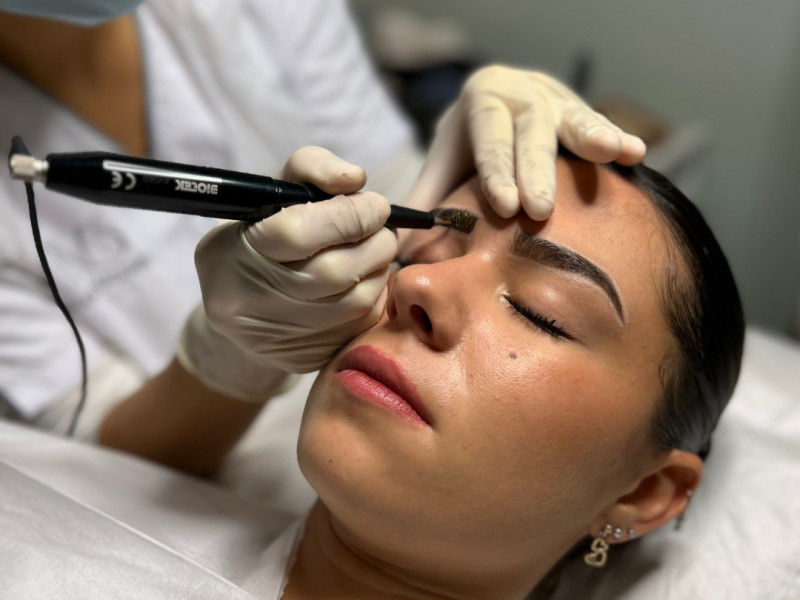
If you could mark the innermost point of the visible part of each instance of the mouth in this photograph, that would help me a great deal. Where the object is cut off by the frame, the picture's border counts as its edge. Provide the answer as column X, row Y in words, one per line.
column 379, row 379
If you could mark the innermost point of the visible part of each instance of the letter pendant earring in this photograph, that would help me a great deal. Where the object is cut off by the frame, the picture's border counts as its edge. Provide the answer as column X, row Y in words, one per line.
column 599, row 550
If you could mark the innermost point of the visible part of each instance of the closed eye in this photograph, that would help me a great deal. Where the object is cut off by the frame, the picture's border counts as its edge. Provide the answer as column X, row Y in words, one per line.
column 549, row 326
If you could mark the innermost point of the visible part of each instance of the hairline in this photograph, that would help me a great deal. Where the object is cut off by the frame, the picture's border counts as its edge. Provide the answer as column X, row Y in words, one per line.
column 676, row 285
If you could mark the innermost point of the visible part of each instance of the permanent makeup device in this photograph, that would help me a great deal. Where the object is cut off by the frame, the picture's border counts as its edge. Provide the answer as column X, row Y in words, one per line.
column 131, row 182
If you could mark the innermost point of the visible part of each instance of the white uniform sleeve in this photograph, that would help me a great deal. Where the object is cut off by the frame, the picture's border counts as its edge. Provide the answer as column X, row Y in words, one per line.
column 111, row 379
column 126, row 276
column 39, row 357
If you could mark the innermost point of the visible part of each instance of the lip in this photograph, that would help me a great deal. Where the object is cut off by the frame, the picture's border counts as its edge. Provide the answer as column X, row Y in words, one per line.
column 378, row 378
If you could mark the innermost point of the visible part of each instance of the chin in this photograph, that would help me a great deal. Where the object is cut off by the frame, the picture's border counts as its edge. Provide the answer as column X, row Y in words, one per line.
column 333, row 453
column 361, row 462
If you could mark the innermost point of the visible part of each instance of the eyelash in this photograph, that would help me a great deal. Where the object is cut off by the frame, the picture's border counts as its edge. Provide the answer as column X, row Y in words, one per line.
column 549, row 326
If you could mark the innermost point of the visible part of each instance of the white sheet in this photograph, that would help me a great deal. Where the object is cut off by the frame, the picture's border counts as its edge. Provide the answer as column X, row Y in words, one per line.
column 72, row 513
column 78, row 521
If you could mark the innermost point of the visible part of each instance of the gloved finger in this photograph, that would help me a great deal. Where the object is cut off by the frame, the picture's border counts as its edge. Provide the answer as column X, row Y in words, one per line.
column 336, row 269
column 300, row 231
column 298, row 349
column 589, row 134
column 314, row 164
column 633, row 150
column 491, row 129
column 536, row 150
column 284, row 311
column 332, row 271
column 593, row 137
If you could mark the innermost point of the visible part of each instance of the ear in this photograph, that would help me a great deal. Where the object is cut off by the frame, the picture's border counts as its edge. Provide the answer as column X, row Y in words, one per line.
column 661, row 494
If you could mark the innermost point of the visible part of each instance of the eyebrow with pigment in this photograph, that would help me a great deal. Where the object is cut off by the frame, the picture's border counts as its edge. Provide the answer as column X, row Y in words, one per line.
column 547, row 253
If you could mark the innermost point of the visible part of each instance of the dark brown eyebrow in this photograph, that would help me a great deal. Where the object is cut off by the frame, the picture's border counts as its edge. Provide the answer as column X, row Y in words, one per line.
column 550, row 254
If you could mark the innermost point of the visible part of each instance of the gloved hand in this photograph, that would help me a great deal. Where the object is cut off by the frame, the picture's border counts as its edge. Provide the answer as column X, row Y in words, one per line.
column 284, row 294
column 507, row 124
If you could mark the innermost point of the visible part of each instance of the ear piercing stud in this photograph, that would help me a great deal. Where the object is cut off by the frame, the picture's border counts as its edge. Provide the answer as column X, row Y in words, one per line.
column 598, row 551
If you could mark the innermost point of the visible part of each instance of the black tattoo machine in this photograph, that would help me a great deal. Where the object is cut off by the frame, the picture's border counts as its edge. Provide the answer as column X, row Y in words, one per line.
column 131, row 182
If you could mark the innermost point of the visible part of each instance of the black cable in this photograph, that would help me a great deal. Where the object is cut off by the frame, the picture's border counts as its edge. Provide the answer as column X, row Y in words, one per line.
column 18, row 147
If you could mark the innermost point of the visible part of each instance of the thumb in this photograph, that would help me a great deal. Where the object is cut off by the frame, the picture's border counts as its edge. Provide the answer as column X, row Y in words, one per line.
column 321, row 167
column 300, row 231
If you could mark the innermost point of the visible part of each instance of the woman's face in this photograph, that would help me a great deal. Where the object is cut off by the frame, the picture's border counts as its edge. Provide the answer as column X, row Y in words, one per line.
column 503, row 400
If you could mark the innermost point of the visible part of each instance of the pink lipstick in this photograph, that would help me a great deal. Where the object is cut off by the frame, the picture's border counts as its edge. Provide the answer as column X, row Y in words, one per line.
column 375, row 377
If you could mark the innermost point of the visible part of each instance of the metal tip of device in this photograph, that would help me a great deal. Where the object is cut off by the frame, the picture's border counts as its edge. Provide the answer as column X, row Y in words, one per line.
column 457, row 218
column 27, row 168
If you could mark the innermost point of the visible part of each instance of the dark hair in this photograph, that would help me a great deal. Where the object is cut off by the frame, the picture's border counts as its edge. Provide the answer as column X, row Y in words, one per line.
column 704, row 314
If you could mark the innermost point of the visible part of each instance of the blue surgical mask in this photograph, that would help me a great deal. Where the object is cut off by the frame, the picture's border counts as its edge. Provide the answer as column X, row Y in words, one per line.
column 79, row 12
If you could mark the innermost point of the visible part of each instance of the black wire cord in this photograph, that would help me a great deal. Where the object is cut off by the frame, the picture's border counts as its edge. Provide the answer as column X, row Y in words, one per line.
column 18, row 147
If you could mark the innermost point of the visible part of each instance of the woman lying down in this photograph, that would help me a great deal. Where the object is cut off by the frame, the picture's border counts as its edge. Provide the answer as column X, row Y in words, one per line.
column 530, row 388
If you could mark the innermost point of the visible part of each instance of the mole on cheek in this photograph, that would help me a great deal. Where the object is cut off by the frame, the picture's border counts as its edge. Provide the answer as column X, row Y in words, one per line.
column 512, row 355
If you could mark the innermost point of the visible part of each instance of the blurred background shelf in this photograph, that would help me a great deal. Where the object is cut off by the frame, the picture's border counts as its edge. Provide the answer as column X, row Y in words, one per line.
column 713, row 87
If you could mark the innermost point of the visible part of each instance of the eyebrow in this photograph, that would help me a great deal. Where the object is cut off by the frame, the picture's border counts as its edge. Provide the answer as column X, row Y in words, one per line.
column 525, row 245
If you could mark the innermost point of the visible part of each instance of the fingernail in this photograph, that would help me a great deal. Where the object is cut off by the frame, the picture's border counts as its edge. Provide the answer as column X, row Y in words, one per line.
column 540, row 207
column 604, row 136
column 507, row 199
column 635, row 144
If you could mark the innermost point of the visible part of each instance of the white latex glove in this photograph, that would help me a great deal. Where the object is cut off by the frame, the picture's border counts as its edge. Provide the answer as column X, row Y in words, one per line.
column 289, row 291
column 506, row 123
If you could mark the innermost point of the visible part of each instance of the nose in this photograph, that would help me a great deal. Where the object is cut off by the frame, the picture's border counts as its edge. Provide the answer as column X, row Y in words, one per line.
column 430, row 301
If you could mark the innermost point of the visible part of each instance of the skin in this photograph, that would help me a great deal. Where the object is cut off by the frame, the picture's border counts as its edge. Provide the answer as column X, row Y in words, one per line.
column 533, row 440
column 94, row 71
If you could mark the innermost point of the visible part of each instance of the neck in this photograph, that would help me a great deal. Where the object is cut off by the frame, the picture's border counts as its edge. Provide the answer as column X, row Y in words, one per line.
column 95, row 71
column 329, row 565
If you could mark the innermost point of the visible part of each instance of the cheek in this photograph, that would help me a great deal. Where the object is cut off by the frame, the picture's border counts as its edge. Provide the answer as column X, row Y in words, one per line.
column 538, row 407
column 549, row 426
column 353, row 453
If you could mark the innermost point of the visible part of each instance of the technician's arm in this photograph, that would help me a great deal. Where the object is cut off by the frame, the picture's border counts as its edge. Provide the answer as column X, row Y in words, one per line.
column 176, row 420
column 280, row 296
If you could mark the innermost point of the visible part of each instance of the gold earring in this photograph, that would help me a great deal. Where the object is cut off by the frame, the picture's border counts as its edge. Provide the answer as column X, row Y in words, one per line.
column 598, row 553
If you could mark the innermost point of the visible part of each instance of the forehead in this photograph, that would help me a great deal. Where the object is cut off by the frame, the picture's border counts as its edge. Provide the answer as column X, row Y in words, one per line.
column 605, row 218
column 602, row 217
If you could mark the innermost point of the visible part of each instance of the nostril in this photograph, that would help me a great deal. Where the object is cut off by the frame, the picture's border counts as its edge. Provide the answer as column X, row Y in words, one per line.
column 420, row 316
